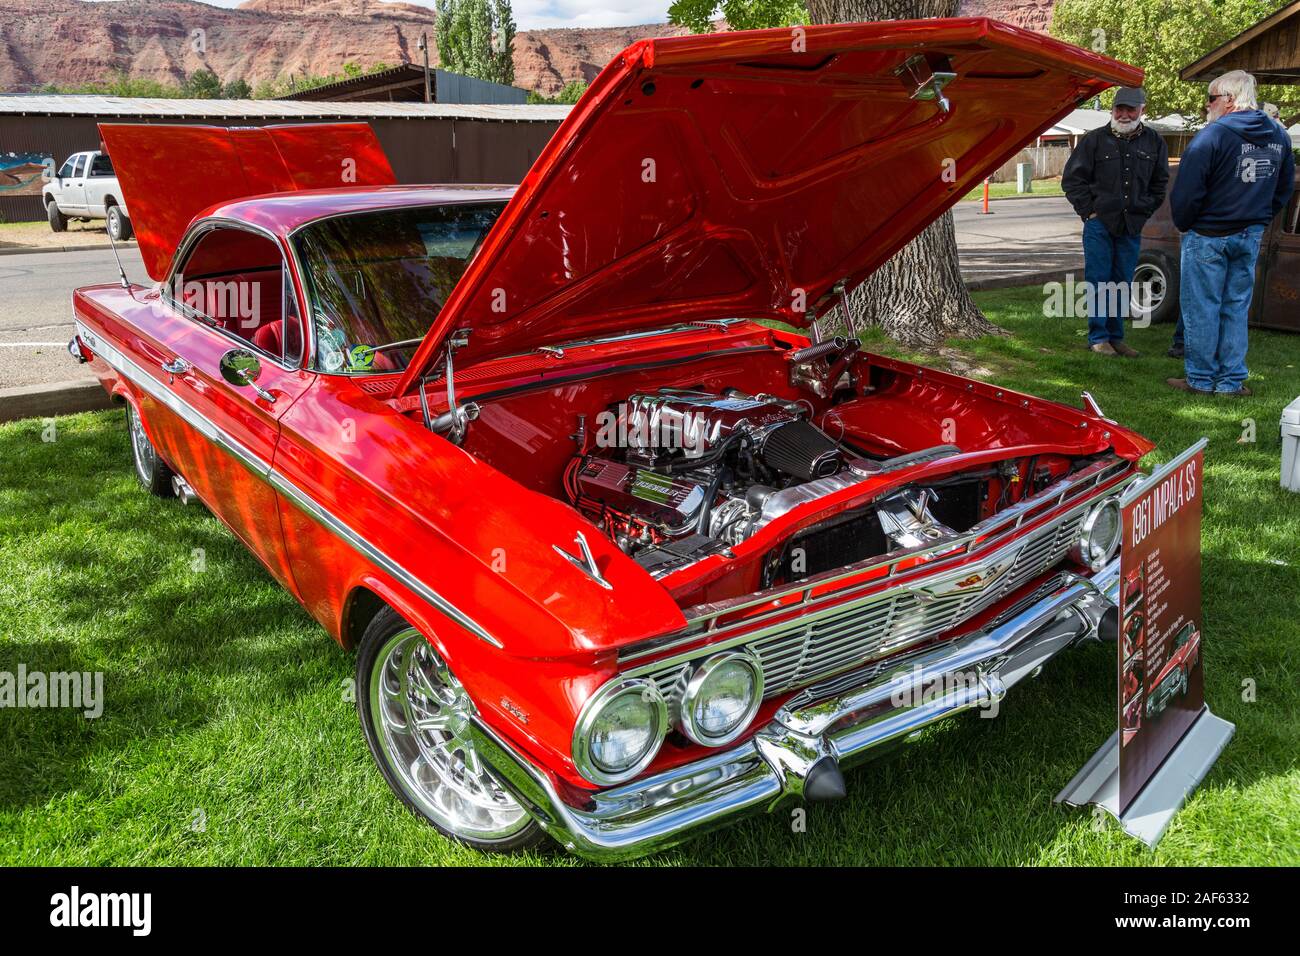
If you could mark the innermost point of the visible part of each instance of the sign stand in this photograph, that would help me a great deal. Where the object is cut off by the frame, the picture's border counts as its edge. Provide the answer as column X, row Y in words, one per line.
column 1167, row 738
column 1149, row 814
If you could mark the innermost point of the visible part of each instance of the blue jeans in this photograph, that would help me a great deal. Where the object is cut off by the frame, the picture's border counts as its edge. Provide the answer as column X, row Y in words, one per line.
column 1107, row 259
column 1218, row 279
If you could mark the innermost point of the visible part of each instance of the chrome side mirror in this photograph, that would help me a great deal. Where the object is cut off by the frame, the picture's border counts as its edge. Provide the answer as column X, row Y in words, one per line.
column 241, row 367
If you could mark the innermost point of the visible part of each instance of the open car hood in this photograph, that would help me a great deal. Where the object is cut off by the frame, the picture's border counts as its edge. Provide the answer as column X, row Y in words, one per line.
column 747, row 174
column 170, row 174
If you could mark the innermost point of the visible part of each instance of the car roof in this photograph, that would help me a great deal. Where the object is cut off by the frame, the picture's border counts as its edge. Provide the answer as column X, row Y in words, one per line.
column 282, row 213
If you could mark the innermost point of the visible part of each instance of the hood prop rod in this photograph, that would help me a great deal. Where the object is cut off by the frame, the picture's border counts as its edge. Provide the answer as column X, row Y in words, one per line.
column 454, row 422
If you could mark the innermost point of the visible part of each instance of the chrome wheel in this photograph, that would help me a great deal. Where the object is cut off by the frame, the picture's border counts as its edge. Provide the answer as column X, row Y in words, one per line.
column 421, row 715
column 146, row 459
column 1150, row 287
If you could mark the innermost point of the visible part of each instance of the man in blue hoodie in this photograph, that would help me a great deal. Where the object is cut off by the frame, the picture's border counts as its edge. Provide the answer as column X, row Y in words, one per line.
column 1236, row 175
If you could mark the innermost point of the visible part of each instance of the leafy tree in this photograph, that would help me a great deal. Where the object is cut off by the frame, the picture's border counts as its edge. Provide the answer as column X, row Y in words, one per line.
column 1162, row 38
column 571, row 93
column 118, row 84
column 477, row 38
column 202, row 84
column 237, row 90
column 699, row 15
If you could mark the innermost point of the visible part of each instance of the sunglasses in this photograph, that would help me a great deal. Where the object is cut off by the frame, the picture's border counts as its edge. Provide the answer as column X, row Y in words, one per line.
column 1215, row 96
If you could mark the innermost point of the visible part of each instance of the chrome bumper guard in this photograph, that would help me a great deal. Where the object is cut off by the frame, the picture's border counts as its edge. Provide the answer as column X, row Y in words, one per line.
column 799, row 753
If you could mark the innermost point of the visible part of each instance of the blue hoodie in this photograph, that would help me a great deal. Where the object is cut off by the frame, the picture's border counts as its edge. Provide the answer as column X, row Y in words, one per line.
column 1239, row 171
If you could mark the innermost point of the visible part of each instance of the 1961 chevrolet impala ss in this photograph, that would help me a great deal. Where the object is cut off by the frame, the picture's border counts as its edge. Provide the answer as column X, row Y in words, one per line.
column 619, row 562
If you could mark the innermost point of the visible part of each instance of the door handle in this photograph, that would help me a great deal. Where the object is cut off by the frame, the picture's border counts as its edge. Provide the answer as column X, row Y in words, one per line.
column 177, row 366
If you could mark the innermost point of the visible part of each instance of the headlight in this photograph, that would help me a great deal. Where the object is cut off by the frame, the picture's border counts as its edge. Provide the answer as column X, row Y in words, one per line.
column 1100, row 534
column 619, row 731
column 721, row 698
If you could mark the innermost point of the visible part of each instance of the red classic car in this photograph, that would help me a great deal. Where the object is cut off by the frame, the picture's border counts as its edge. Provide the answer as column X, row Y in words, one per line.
column 620, row 563
column 1174, row 677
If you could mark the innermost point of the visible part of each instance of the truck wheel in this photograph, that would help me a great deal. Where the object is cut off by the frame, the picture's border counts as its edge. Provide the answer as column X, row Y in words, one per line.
column 58, row 222
column 150, row 470
column 1156, row 278
column 414, row 713
column 119, row 226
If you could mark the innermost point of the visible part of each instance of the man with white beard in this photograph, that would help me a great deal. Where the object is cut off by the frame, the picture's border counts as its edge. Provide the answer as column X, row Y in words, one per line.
column 1115, row 179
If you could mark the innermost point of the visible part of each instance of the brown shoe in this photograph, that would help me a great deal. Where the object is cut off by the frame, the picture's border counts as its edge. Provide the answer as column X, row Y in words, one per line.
column 1124, row 349
column 1182, row 386
column 1243, row 392
column 1103, row 348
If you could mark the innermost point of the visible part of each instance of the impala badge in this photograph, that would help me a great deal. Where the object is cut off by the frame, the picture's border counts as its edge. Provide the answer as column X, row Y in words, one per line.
column 975, row 580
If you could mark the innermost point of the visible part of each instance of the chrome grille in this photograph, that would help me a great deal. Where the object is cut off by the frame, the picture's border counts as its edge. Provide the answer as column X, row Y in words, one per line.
column 817, row 646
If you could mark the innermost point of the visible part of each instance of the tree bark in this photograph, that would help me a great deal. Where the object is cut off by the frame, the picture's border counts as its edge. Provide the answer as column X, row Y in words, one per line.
column 918, row 296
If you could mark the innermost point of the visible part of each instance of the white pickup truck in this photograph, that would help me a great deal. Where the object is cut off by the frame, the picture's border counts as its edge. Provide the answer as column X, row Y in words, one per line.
column 85, row 187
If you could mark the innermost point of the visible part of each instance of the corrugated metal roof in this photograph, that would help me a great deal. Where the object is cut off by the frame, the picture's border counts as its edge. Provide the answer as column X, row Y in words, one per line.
column 109, row 106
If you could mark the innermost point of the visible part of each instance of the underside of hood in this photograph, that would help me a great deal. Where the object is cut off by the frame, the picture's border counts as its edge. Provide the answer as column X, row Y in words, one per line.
column 170, row 174
column 748, row 174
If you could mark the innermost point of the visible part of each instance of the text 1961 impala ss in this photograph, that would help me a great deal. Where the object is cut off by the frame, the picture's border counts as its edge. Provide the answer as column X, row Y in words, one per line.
column 619, row 562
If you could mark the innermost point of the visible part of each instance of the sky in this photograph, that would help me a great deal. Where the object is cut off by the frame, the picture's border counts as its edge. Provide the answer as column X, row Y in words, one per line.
column 537, row 14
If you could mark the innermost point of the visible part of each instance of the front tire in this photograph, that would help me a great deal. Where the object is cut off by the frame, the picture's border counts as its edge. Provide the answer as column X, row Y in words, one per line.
column 119, row 226
column 415, row 715
column 1158, row 277
column 58, row 221
column 151, row 471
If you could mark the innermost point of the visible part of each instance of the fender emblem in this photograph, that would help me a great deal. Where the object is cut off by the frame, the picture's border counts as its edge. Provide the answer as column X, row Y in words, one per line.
column 515, row 710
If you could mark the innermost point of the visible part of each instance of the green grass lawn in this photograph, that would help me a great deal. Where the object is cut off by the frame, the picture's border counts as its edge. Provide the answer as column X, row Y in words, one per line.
column 1042, row 187
column 227, row 737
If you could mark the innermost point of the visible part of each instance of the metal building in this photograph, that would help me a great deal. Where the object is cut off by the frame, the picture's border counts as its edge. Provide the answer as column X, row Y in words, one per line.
column 426, row 143
column 405, row 84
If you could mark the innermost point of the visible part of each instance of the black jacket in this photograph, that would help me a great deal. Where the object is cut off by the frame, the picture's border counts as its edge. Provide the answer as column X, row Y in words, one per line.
column 1123, row 181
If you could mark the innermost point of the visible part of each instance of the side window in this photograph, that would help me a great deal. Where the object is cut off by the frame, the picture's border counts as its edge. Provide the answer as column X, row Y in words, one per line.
column 65, row 171
column 234, row 280
column 101, row 165
column 80, row 167
column 292, row 326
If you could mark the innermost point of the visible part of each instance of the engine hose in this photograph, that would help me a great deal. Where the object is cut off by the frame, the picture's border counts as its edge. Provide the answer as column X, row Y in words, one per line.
column 690, row 464
column 711, row 492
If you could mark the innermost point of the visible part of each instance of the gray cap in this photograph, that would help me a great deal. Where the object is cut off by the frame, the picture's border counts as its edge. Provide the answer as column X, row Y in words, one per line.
column 1131, row 96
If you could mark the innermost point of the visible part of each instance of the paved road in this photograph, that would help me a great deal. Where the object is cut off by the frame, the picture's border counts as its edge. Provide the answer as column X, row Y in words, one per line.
column 36, row 310
column 1021, row 237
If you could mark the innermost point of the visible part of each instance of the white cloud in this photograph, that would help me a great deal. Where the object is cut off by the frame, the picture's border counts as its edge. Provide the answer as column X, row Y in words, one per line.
column 539, row 14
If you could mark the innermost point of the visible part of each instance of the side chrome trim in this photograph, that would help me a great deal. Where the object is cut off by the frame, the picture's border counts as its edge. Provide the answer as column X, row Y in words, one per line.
column 263, row 469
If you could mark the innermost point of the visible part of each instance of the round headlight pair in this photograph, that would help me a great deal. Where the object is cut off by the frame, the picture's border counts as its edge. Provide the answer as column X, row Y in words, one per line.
column 1099, row 536
column 622, row 727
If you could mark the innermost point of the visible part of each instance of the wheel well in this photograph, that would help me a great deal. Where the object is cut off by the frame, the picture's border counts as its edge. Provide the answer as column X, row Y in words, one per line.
column 358, row 611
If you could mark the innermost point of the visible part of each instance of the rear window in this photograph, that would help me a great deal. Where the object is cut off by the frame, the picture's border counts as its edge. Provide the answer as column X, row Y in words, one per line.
column 101, row 166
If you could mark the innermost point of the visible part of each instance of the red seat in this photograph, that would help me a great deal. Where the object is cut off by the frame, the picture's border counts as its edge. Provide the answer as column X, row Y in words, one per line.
column 270, row 337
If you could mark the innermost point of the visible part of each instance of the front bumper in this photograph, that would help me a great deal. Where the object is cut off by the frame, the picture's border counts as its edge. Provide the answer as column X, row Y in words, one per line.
column 799, row 753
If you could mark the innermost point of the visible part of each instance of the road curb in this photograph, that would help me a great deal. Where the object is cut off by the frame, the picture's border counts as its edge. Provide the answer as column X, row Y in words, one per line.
column 55, row 398
column 33, row 250
column 1012, row 282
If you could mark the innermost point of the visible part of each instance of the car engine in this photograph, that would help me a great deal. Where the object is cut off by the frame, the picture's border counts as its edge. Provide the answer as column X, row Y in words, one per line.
column 678, row 475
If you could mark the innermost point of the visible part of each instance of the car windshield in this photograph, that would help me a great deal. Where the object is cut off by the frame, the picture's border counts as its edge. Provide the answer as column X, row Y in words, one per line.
column 377, row 280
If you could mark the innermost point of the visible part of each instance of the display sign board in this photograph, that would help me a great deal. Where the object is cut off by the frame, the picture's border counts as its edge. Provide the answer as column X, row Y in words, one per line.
column 1167, row 739
column 1160, row 674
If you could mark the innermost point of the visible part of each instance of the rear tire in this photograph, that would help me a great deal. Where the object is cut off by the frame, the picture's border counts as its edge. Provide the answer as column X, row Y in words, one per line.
column 1156, row 272
column 434, row 769
column 58, row 221
column 151, row 471
column 119, row 226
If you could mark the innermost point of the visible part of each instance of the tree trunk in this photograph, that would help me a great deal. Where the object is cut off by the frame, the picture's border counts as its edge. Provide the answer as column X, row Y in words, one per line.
column 918, row 296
